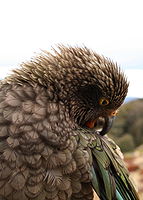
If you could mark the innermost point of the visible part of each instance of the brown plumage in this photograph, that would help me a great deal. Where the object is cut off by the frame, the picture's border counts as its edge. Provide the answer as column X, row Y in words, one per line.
column 41, row 105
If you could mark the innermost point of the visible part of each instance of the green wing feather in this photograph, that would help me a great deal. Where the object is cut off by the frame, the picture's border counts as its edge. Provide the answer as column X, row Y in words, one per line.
column 110, row 176
column 124, row 185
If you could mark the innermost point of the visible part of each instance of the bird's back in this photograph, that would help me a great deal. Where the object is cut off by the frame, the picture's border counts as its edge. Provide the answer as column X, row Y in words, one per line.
column 32, row 165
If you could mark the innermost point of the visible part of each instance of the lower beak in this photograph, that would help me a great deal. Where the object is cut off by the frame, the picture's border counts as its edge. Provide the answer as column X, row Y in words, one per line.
column 107, row 125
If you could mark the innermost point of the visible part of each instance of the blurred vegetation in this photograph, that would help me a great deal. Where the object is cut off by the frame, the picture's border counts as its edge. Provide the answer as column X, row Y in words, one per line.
column 127, row 130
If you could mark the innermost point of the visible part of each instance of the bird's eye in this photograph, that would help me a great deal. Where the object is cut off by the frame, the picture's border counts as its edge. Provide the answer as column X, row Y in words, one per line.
column 103, row 102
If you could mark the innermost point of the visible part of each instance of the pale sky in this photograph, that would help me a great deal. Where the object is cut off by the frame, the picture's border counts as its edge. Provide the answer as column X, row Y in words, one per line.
column 113, row 28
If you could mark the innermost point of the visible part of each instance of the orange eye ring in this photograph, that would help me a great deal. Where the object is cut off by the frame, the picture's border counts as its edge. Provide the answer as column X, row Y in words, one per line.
column 103, row 102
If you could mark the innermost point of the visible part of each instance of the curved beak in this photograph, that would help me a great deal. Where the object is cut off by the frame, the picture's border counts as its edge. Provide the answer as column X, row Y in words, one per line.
column 106, row 122
column 107, row 125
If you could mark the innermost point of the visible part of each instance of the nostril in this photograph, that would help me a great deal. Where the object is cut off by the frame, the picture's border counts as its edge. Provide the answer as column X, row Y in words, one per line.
column 114, row 113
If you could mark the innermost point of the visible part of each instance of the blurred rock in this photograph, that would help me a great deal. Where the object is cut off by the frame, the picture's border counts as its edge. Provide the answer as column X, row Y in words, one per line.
column 134, row 163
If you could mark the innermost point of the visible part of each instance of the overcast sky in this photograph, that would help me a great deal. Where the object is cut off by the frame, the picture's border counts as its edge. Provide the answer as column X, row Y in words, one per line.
column 113, row 28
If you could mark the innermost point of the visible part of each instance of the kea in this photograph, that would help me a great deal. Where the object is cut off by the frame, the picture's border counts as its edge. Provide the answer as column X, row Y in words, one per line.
column 55, row 111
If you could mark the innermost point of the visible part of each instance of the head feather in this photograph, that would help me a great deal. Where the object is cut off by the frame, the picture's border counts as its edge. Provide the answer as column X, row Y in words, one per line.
column 69, row 68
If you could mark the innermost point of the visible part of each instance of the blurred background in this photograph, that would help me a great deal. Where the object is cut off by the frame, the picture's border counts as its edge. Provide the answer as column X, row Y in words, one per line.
column 113, row 28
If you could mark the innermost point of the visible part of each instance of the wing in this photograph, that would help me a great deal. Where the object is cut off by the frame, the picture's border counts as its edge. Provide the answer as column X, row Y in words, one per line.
column 110, row 176
column 39, row 154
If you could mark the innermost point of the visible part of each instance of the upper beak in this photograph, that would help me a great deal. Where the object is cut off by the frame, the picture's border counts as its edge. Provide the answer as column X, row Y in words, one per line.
column 108, row 122
column 107, row 125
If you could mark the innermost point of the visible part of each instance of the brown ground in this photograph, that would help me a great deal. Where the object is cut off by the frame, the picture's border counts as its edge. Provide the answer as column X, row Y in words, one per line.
column 135, row 165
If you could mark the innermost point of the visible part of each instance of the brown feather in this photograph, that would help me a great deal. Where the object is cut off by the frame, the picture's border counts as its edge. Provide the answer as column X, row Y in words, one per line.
column 40, row 104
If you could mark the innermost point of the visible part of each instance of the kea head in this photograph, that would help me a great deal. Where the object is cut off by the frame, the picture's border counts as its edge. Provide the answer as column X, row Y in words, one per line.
column 91, row 86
